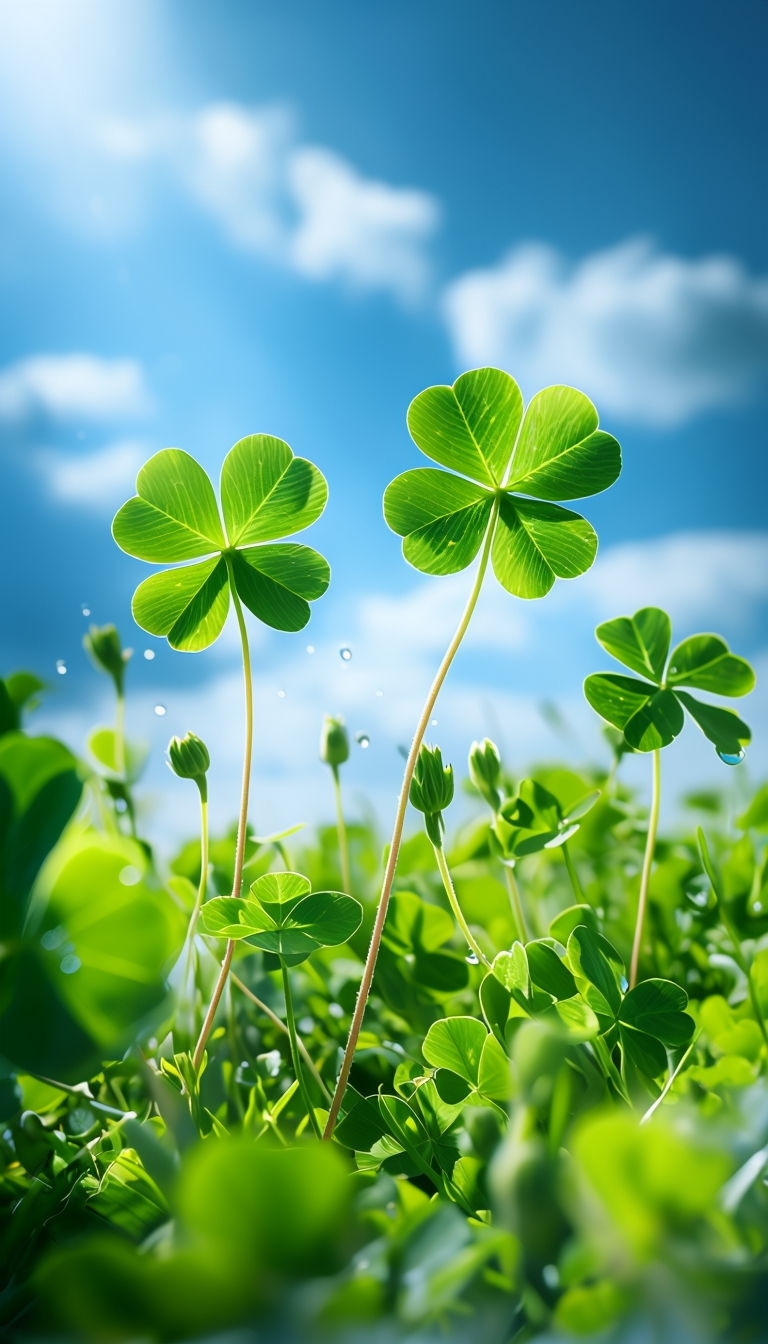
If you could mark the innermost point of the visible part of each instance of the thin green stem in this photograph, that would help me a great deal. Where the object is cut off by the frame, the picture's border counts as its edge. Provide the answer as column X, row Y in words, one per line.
column 120, row 737
column 279, row 1023
column 292, row 1036
column 242, row 825
column 574, row 876
column 397, row 830
column 453, row 901
column 516, row 903
column 341, row 830
column 645, row 877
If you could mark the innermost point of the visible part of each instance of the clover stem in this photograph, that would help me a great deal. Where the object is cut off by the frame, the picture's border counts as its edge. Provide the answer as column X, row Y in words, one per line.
column 645, row 876
column 516, row 902
column 453, row 901
column 187, row 980
column 341, row 831
column 574, row 876
column 297, row 1069
column 242, row 825
column 120, row 736
column 278, row 1022
column 397, row 830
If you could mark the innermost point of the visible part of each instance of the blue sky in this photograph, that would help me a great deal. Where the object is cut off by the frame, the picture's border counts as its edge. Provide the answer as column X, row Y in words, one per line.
column 223, row 219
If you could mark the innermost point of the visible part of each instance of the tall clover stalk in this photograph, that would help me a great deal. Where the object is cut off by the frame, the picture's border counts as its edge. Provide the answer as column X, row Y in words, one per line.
column 266, row 493
column 651, row 712
column 505, row 470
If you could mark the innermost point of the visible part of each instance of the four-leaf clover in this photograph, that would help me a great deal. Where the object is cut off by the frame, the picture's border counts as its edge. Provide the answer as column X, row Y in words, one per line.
column 266, row 494
column 512, row 466
column 650, row 711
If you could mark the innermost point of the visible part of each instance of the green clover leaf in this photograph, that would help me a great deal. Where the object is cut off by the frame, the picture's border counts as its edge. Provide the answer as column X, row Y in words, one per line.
column 266, row 494
column 283, row 916
column 650, row 712
column 512, row 467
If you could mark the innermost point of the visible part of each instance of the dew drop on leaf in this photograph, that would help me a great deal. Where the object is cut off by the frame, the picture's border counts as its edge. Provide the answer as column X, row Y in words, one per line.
column 69, row 964
column 472, row 959
column 731, row 757
column 61, row 667
column 362, row 740
column 345, row 654
column 149, row 654
column 160, row 711
column 130, row 875
column 53, row 938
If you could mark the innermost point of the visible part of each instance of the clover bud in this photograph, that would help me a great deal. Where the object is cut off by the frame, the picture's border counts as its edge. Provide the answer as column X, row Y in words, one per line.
column 103, row 644
column 432, row 790
column 188, row 758
column 334, row 741
column 485, row 771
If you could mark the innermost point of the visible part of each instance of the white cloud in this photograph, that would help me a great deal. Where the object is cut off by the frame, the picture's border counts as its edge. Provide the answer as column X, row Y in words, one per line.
column 362, row 231
column 76, row 386
column 304, row 207
column 652, row 337
column 93, row 480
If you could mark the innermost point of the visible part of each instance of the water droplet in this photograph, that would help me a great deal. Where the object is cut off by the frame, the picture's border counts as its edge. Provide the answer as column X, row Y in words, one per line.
column 623, row 981
column 69, row 964
column 472, row 958
column 54, row 938
column 121, row 805
column 160, row 711
column 61, row 667
column 149, row 654
column 306, row 1025
column 310, row 648
column 757, row 907
column 86, row 611
column 335, row 1010
column 551, row 1276
column 379, row 693
column 345, row 654
column 129, row 875
column 281, row 695
column 434, row 723
column 731, row 757
column 362, row 740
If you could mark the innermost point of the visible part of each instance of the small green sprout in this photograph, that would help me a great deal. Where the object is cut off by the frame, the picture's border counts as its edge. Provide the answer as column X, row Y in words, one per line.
column 103, row 645
column 334, row 741
column 189, row 759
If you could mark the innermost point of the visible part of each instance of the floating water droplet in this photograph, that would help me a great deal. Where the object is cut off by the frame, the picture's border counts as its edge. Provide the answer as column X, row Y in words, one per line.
column 160, row 711
column 345, row 654
column 149, row 654
column 61, row 667
column 362, row 740
column 472, row 958
column 69, row 964
column 551, row 1276
column 121, row 805
column 86, row 611
column 130, row 875
column 731, row 757
column 310, row 648
column 306, row 1025
column 54, row 938
column 379, row 693
column 757, row 907
column 281, row 695
column 335, row 1010
column 434, row 723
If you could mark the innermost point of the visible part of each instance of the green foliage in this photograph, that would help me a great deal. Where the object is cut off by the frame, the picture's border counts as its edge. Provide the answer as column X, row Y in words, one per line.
column 650, row 712
column 282, row 917
column 511, row 466
column 266, row 493
column 432, row 790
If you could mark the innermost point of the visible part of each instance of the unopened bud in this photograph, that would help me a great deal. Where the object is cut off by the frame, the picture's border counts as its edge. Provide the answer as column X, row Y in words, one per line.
column 188, row 758
column 485, row 771
column 103, row 644
column 334, row 741
column 432, row 790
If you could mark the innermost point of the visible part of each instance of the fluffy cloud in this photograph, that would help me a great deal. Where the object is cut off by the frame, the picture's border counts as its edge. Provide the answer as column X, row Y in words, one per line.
column 651, row 337
column 76, row 386
column 302, row 206
column 94, row 480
